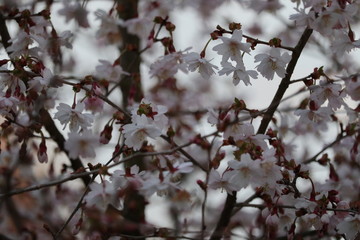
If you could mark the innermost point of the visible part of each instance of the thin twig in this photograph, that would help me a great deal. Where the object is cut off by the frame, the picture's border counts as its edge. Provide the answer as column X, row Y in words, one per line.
column 338, row 138
column 95, row 171
column 102, row 97
column 57, row 235
column 262, row 206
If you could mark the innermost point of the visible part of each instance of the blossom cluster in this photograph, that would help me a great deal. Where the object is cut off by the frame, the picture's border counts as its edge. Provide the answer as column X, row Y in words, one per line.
column 136, row 134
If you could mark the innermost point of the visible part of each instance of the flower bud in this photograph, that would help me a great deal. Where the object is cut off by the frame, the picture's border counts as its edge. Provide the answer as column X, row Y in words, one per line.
column 105, row 135
column 234, row 26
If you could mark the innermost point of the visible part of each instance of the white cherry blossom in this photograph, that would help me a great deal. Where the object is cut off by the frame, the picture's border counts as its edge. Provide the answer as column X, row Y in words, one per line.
column 244, row 170
column 82, row 144
column 74, row 116
column 232, row 47
column 203, row 66
column 303, row 18
column 73, row 10
column 108, row 30
column 148, row 120
column 352, row 86
column 101, row 195
column 239, row 72
column 224, row 182
column 109, row 71
column 330, row 92
column 43, row 81
column 168, row 65
column 136, row 133
column 350, row 226
column 271, row 63
column 343, row 44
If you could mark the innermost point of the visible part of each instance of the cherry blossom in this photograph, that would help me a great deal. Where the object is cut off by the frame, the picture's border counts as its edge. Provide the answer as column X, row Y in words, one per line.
column 302, row 18
column 94, row 104
column 75, row 11
column 108, row 30
column 167, row 66
column 148, row 120
column 342, row 43
column 74, row 116
column 138, row 26
column 109, row 71
column 232, row 47
column 204, row 67
column 353, row 87
column 325, row 91
column 316, row 117
column 244, row 170
column 38, row 83
column 268, row 172
column 81, row 145
column 151, row 185
column 272, row 63
column 20, row 45
column 7, row 104
column 239, row 131
column 139, row 126
column 101, row 195
column 350, row 227
column 224, row 182
column 239, row 72
column 136, row 133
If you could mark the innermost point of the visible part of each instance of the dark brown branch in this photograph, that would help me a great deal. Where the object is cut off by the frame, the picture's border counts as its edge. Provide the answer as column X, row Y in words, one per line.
column 285, row 81
column 129, row 59
column 4, row 33
column 225, row 217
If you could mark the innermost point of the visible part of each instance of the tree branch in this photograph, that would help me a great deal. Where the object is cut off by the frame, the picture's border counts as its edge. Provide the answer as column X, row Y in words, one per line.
column 231, row 198
column 225, row 217
column 284, row 84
